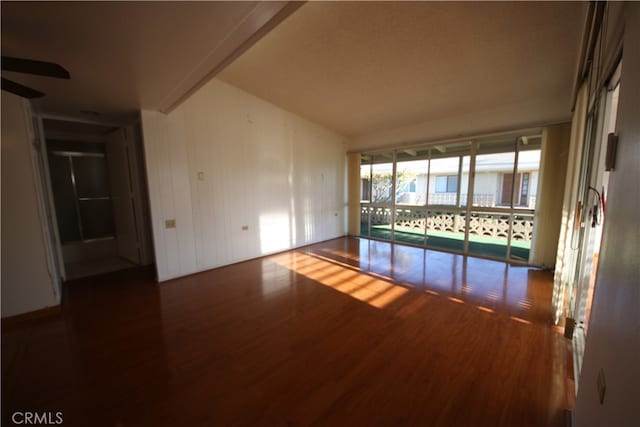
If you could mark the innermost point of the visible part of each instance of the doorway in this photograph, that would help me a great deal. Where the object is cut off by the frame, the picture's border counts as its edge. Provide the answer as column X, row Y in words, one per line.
column 97, row 191
column 594, row 189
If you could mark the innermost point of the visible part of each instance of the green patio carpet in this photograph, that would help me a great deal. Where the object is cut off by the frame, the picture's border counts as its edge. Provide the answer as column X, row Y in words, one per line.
column 478, row 245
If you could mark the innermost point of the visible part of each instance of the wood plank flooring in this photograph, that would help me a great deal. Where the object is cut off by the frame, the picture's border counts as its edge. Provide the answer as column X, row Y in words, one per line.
column 348, row 332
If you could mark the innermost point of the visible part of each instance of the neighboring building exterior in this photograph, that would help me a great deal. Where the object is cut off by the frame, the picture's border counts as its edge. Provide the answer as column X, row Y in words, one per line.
column 493, row 185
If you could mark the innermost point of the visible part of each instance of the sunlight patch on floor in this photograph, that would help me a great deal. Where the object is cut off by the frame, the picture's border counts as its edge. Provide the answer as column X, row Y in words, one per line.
column 344, row 278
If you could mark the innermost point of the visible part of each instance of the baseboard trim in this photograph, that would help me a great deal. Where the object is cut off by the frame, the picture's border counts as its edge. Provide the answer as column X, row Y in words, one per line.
column 11, row 322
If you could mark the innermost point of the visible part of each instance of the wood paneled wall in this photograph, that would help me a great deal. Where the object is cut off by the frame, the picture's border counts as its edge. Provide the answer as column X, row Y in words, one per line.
column 241, row 178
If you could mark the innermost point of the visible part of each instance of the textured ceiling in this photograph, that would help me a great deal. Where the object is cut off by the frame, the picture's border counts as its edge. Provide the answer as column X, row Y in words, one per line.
column 123, row 56
column 384, row 73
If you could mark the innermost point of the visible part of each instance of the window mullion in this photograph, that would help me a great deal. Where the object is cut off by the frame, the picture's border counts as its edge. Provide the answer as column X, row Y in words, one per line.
column 426, row 201
column 471, row 184
column 513, row 197
column 393, row 196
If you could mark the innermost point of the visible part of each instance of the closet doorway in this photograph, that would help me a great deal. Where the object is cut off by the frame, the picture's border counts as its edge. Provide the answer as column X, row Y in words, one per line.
column 97, row 192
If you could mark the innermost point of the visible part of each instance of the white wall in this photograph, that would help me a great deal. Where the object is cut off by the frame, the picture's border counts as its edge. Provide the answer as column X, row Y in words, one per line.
column 484, row 183
column 26, row 283
column 613, row 343
column 261, row 167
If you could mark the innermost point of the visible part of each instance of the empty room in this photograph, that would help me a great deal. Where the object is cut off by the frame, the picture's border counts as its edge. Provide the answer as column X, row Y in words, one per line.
column 320, row 213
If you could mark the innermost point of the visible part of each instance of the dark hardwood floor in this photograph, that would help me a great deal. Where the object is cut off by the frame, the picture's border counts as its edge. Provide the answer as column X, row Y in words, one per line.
column 348, row 332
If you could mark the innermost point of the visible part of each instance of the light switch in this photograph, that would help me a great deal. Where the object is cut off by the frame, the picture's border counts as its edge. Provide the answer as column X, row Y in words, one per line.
column 170, row 223
column 200, row 176
column 245, row 227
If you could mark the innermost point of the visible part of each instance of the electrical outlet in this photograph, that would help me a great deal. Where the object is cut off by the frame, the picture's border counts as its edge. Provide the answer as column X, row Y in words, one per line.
column 602, row 386
column 170, row 223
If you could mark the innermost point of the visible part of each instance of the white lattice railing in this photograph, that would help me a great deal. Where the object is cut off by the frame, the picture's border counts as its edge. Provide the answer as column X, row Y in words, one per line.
column 484, row 200
column 494, row 225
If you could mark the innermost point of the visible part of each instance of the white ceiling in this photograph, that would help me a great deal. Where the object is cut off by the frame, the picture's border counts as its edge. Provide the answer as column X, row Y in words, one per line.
column 389, row 73
column 124, row 56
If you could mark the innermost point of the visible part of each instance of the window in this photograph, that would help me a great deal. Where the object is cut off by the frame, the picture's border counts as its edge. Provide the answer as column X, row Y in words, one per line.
column 421, row 196
column 447, row 184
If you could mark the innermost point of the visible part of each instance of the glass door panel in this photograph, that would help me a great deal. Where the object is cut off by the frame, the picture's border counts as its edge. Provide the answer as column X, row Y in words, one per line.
column 365, row 195
column 489, row 234
column 445, row 229
column 448, row 179
column 421, row 196
column 411, row 197
column 382, row 188
column 410, row 225
column 525, row 197
column 443, row 181
column 521, row 236
column 528, row 173
column 492, row 189
column 493, row 180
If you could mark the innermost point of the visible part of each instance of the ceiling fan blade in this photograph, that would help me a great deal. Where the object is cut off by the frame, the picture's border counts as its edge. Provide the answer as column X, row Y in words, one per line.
column 40, row 68
column 20, row 90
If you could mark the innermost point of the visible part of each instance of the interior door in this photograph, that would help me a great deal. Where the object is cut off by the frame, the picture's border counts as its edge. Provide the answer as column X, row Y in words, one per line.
column 119, row 163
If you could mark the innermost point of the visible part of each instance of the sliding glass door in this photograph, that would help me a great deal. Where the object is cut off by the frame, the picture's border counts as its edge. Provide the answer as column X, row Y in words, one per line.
column 378, row 186
column 474, row 197
column 412, row 168
column 447, row 182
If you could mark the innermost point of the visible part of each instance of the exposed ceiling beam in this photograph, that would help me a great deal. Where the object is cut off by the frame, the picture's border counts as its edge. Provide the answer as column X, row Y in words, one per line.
column 263, row 18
